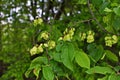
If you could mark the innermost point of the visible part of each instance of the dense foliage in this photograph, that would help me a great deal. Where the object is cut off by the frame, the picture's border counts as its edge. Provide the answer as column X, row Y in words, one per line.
column 78, row 42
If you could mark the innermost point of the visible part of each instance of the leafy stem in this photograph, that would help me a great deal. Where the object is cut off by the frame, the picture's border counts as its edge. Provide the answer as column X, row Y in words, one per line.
column 97, row 22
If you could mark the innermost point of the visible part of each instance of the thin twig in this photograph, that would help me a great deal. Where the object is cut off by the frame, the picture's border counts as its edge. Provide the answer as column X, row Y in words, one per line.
column 88, row 20
column 47, row 56
column 98, row 23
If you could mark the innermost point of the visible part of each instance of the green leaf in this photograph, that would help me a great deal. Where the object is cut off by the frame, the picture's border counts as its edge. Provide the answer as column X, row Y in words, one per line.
column 104, row 78
column 65, row 57
column 58, row 70
column 59, row 46
column 116, row 23
column 114, row 77
column 39, row 61
column 103, row 7
column 71, row 51
column 36, row 72
column 109, row 28
column 97, row 2
column 107, row 10
column 117, row 11
column 117, row 68
column 82, row 2
column 48, row 73
column 90, row 77
column 95, row 51
column 35, row 64
column 100, row 70
column 57, row 57
column 111, row 56
column 82, row 59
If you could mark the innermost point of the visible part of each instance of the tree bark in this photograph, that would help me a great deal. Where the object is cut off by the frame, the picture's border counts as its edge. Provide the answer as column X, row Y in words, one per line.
column 34, row 7
column 60, row 11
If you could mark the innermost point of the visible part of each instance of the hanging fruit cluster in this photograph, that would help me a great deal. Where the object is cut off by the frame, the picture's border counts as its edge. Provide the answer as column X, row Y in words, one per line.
column 68, row 34
column 89, row 36
column 38, row 21
column 110, row 40
column 50, row 44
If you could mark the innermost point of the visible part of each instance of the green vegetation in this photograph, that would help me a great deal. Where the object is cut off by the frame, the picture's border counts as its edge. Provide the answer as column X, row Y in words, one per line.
column 77, row 41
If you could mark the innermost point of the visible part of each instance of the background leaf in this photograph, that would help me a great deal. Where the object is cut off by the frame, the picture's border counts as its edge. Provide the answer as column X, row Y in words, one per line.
column 114, row 77
column 117, row 10
column 95, row 51
column 48, row 73
column 82, row 1
column 104, row 78
column 111, row 56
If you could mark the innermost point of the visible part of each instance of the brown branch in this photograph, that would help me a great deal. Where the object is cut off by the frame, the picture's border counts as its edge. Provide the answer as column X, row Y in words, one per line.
column 60, row 11
column 42, row 7
column 83, row 21
column 34, row 7
column 88, row 20
column 97, row 22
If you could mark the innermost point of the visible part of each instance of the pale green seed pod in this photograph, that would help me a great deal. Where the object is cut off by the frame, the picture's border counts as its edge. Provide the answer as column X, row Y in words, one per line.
column 67, row 38
column 114, row 39
column 51, row 44
column 90, row 38
column 45, row 35
column 40, row 49
column 33, row 51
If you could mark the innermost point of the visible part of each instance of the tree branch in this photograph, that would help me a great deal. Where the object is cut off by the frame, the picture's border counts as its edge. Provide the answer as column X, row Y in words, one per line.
column 97, row 22
column 34, row 7
column 60, row 11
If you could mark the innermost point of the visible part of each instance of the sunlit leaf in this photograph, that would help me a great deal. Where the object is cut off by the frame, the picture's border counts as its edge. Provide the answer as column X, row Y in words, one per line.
column 100, row 70
column 82, row 59
column 36, row 64
column 36, row 72
column 65, row 57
